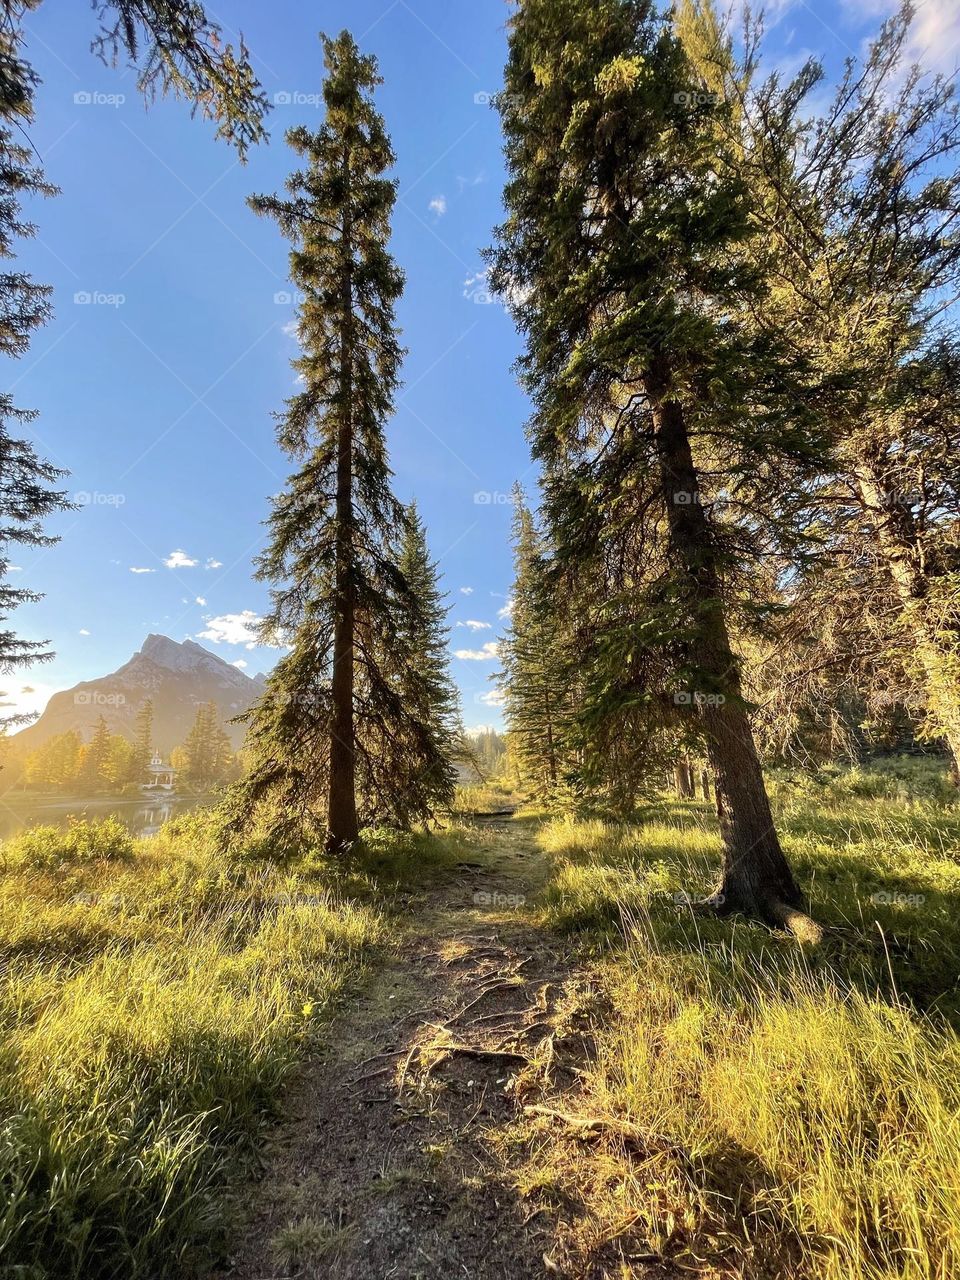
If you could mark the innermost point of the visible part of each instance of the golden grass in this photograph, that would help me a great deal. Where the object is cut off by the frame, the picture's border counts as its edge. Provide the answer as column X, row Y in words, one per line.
column 765, row 1113
column 154, row 1000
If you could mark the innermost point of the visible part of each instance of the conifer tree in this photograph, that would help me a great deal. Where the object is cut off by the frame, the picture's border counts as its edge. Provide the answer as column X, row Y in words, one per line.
column 206, row 751
column 95, row 764
column 535, row 678
column 143, row 741
column 327, row 736
column 622, row 258
column 425, row 771
column 861, row 203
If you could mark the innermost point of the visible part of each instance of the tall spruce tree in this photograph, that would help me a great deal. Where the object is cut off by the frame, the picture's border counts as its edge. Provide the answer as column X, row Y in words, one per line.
column 633, row 358
column 206, row 751
column 535, row 678
column 329, row 735
column 425, row 768
column 142, row 741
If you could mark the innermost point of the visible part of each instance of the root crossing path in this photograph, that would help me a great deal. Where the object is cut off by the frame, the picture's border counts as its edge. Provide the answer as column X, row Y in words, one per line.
column 395, row 1158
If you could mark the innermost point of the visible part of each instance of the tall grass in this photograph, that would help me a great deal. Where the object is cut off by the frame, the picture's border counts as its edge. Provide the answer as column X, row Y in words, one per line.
column 155, row 996
column 787, row 1113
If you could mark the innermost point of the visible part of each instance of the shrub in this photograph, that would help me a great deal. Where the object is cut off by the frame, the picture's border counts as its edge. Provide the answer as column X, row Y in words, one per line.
column 79, row 844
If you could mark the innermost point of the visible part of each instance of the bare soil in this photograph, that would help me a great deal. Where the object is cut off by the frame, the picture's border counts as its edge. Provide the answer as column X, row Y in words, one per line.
column 390, row 1161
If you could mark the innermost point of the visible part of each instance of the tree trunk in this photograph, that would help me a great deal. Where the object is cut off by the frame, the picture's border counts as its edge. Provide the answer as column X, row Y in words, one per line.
column 894, row 525
column 342, row 826
column 705, row 783
column 756, row 878
column 683, row 780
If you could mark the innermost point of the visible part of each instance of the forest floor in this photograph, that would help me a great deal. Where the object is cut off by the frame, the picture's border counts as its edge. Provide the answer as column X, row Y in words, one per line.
column 393, row 1159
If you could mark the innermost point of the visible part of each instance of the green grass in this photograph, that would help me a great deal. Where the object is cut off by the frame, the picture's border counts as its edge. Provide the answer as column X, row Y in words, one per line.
column 155, row 997
column 793, row 1112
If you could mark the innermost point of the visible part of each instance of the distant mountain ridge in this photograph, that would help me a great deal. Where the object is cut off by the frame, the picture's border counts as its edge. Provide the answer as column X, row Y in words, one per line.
column 178, row 677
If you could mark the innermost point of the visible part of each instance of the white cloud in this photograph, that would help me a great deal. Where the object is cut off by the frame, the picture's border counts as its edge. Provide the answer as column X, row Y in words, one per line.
column 200, row 600
column 136, row 569
column 291, row 328
column 241, row 663
column 475, row 730
column 438, row 205
column 179, row 560
column 466, row 591
column 474, row 625
column 235, row 628
column 486, row 654
column 507, row 611
column 495, row 698
column 213, row 564
column 14, row 568
column 84, row 631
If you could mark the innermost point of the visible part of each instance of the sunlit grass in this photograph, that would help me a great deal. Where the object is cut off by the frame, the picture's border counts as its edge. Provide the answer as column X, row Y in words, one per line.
column 153, row 1002
column 786, row 1114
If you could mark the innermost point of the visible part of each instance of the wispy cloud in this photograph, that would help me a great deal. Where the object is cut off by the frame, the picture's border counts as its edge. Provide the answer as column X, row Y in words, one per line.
column 474, row 625
column 134, row 568
column 438, row 206
column 466, row 591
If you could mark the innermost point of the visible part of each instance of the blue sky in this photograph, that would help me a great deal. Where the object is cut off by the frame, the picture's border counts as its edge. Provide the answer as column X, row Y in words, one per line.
column 169, row 350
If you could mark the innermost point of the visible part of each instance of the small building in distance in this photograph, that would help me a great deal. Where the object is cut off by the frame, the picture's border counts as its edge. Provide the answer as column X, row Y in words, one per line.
column 160, row 777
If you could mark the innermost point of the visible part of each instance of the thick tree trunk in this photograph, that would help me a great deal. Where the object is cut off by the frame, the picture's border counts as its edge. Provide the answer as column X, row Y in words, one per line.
column 756, row 878
column 342, row 826
column 893, row 523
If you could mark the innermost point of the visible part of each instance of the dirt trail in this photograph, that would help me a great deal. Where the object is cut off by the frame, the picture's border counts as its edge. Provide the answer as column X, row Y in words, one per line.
column 386, row 1165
